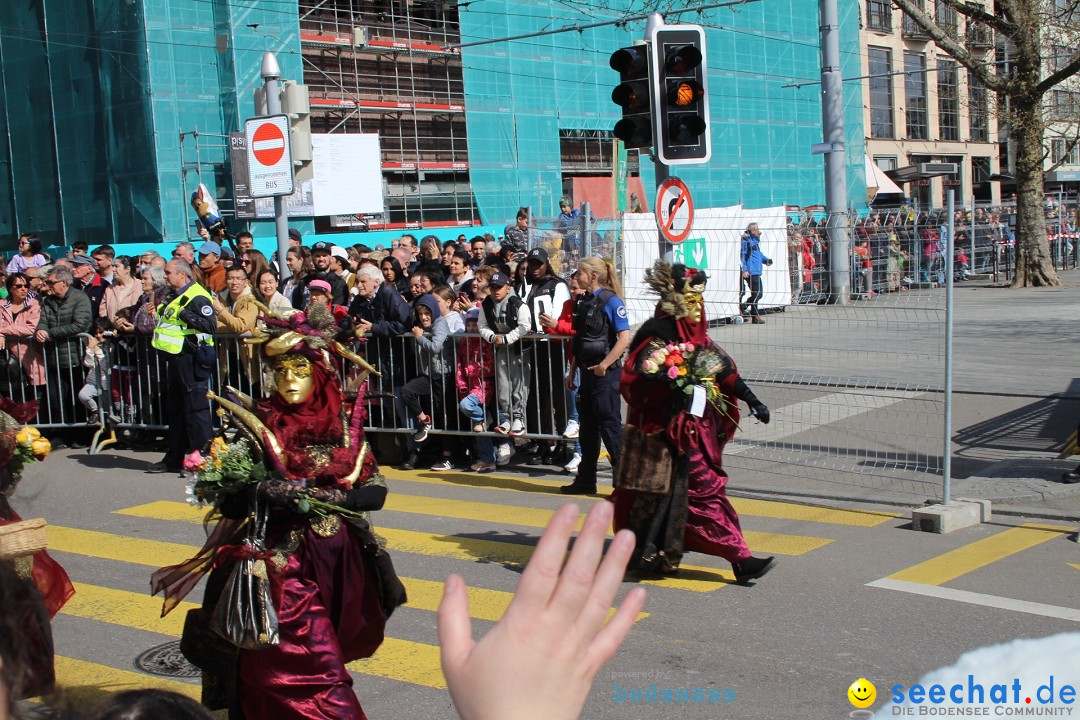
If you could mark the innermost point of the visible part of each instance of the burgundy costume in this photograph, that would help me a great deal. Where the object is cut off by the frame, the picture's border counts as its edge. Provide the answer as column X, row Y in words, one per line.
column 333, row 586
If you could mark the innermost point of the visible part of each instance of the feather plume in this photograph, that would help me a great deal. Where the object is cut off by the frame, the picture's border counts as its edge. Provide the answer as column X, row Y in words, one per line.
column 660, row 281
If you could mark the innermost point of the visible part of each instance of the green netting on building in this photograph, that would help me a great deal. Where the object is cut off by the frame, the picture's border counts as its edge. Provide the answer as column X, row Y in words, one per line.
column 520, row 94
column 95, row 95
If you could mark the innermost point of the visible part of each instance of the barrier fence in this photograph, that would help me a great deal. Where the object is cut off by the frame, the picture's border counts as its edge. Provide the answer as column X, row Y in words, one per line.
column 857, row 390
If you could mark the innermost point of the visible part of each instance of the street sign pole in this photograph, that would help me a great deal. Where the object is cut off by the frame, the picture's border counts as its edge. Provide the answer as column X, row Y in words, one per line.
column 271, row 75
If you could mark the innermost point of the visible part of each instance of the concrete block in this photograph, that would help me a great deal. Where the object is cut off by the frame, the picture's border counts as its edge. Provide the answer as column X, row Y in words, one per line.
column 984, row 505
column 946, row 518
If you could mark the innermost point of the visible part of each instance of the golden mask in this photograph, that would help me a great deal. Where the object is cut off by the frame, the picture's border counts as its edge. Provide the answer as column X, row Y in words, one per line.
column 694, row 302
column 293, row 378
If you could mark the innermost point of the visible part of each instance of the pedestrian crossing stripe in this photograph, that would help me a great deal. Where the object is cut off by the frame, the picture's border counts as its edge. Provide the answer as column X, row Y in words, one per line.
column 691, row 577
column 1075, row 565
column 84, row 684
column 744, row 506
column 951, row 565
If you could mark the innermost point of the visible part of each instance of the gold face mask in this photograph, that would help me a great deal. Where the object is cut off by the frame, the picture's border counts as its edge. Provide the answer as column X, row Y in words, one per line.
column 293, row 378
column 694, row 302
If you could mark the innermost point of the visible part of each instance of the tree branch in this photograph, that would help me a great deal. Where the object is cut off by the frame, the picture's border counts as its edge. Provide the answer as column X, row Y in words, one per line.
column 977, row 13
column 1065, row 156
column 1071, row 68
column 952, row 46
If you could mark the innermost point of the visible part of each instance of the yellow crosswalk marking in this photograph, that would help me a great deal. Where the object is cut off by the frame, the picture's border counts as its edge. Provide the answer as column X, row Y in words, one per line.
column 466, row 548
column 1075, row 565
column 84, row 683
column 743, row 506
column 951, row 565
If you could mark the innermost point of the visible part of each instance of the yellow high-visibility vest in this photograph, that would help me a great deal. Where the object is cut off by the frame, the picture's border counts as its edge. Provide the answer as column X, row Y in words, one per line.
column 170, row 331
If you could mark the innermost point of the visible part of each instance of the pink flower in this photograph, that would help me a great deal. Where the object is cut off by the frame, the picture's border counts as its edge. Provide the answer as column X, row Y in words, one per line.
column 689, row 347
column 193, row 462
column 673, row 372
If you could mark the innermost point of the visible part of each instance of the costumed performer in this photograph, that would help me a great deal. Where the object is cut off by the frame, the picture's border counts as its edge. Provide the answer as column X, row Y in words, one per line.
column 330, row 579
column 35, row 586
column 694, row 413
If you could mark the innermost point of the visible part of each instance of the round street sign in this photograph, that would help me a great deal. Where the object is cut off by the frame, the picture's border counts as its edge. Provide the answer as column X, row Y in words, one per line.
column 269, row 157
column 268, row 144
column 674, row 210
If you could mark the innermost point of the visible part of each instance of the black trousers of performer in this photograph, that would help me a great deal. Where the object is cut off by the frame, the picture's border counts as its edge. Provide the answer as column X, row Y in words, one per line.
column 546, row 410
column 600, row 417
column 756, row 291
column 187, row 409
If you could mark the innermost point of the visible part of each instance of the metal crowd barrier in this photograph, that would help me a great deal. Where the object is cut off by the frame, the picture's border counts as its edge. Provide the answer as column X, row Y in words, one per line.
column 134, row 377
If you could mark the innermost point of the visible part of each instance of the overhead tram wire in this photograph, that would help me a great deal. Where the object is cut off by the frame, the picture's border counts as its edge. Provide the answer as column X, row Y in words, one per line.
column 587, row 26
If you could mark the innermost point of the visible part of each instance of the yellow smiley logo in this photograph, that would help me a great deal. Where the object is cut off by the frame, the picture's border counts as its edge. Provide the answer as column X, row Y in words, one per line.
column 862, row 693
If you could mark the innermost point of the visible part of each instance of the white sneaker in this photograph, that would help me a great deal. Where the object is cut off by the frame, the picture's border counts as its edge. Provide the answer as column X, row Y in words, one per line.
column 517, row 428
column 503, row 453
column 572, row 430
column 572, row 466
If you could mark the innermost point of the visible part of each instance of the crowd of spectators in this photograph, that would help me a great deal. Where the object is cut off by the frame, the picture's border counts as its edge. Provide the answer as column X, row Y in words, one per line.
column 74, row 333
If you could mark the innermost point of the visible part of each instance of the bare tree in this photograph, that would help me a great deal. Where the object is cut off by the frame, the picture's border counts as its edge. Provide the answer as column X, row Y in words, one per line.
column 1021, row 26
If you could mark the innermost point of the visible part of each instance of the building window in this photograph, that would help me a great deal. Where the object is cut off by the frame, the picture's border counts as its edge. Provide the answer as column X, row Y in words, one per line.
column 946, row 18
column 954, row 181
column 912, row 29
column 885, row 162
column 915, row 90
column 1065, row 105
column 1058, row 146
column 978, row 110
column 948, row 102
column 980, row 179
column 881, row 98
column 879, row 15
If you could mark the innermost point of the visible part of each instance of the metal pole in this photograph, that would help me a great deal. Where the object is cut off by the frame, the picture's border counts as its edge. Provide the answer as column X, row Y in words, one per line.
column 947, row 464
column 587, row 230
column 271, row 75
column 971, row 258
column 832, row 116
column 662, row 171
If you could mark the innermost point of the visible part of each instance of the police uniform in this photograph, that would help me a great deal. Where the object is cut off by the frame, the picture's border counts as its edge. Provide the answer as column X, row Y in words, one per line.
column 600, row 317
column 184, row 334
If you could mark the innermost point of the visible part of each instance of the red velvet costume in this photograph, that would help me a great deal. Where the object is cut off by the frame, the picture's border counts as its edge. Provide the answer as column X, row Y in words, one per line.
column 695, row 515
column 331, row 594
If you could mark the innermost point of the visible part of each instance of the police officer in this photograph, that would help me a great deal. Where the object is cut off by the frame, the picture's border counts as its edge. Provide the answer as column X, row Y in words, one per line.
column 184, row 333
column 602, row 334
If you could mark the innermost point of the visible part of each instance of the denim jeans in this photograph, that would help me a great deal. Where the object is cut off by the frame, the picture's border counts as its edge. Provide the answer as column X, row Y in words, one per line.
column 472, row 407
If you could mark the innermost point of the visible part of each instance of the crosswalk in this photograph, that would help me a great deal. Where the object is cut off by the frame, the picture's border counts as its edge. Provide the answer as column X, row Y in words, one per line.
column 484, row 526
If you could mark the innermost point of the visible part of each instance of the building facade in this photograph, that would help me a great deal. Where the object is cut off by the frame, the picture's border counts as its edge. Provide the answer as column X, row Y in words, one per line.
column 921, row 106
column 115, row 110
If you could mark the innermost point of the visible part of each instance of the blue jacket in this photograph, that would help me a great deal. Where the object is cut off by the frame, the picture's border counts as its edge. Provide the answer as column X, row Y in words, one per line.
column 751, row 258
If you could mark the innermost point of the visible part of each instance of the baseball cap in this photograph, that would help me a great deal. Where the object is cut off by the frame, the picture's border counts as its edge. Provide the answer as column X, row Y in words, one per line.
column 322, row 246
column 339, row 252
column 227, row 252
column 83, row 260
column 295, row 235
column 319, row 285
column 538, row 253
column 564, row 203
column 209, row 247
column 499, row 279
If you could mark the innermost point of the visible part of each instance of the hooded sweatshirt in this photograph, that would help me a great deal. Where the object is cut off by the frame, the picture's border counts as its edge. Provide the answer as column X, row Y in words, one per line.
column 433, row 353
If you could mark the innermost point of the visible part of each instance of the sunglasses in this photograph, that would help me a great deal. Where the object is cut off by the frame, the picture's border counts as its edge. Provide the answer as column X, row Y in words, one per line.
column 16, row 286
column 50, row 283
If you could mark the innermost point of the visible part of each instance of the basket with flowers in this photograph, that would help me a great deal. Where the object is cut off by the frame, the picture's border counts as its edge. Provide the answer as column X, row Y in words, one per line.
column 686, row 366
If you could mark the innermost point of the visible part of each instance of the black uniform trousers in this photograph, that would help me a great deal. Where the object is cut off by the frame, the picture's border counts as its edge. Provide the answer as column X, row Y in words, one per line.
column 187, row 409
column 547, row 411
column 600, row 417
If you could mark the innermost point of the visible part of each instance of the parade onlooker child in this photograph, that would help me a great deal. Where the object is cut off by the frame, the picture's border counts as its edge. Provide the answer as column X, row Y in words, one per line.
column 455, row 321
column 475, row 373
column 97, row 369
column 504, row 320
column 434, row 366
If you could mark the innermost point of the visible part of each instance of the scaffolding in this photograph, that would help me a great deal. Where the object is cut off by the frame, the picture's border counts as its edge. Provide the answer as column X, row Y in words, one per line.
column 385, row 67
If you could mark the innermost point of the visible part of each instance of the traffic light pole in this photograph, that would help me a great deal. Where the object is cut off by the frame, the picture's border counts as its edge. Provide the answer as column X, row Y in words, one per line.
column 832, row 117
column 661, row 170
column 271, row 75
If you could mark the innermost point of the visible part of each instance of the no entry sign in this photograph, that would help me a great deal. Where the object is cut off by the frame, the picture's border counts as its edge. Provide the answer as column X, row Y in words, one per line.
column 270, row 167
column 674, row 210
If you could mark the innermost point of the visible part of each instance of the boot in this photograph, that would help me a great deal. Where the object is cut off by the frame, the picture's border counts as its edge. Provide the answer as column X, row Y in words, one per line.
column 410, row 462
column 1071, row 477
column 577, row 488
column 752, row 568
column 757, row 320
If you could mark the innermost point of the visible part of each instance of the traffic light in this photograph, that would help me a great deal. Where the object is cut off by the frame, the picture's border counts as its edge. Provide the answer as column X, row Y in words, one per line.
column 633, row 95
column 681, row 116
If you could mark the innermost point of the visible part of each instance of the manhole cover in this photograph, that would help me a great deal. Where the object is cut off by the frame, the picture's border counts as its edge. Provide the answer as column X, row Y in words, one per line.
column 166, row 660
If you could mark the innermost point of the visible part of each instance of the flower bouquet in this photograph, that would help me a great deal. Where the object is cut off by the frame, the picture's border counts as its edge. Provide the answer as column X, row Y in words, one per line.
column 230, row 468
column 685, row 366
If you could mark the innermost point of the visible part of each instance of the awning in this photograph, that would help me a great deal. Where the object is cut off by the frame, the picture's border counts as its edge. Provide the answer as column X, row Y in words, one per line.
column 878, row 182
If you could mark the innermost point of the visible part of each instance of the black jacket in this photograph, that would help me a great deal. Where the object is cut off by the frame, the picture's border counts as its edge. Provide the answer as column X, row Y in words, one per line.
column 339, row 291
